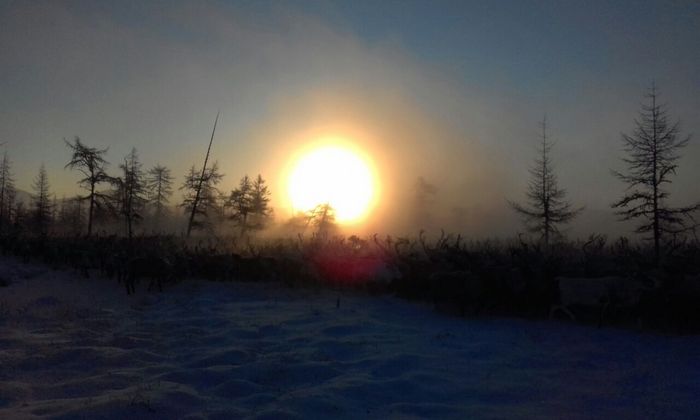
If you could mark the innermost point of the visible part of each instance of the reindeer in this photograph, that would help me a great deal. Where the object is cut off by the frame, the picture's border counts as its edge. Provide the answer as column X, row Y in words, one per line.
column 601, row 293
column 155, row 268
column 458, row 288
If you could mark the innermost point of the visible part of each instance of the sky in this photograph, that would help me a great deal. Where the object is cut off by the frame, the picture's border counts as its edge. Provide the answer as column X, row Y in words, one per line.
column 451, row 91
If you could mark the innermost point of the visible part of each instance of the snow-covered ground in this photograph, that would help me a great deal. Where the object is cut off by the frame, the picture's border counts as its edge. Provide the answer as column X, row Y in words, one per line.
column 72, row 347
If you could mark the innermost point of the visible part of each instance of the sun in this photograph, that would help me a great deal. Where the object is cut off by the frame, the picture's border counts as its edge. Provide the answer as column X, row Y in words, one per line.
column 333, row 175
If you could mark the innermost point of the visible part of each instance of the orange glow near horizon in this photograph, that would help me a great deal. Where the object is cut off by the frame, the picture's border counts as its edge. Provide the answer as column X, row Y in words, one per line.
column 335, row 174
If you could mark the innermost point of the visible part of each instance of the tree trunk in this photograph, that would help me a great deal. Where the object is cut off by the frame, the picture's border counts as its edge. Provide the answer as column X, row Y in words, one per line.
column 201, row 179
column 92, row 206
column 657, row 230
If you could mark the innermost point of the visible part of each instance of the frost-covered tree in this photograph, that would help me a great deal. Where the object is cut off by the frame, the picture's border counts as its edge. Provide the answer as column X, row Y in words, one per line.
column 196, row 188
column 323, row 218
column 250, row 203
column 159, row 184
column 653, row 149
column 7, row 187
column 200, row 195
column 12, row 206
column 240, row 202
column 260, row 203
column 546, row 207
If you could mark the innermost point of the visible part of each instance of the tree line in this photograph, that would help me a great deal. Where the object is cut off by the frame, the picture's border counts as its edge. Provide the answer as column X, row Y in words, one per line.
column 652, row 151
column 130, row 197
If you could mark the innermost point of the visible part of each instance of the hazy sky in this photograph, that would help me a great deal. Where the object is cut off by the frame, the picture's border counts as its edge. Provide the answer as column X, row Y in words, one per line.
column 451, row 91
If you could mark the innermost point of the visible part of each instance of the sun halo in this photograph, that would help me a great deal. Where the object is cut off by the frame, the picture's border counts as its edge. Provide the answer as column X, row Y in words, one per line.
column 335, row 175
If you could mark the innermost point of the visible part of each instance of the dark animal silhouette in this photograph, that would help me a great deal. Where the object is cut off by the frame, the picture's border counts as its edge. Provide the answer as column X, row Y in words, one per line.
column 154, row 268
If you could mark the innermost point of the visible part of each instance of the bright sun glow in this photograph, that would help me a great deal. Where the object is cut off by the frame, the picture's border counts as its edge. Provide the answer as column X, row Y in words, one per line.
column 336, row 176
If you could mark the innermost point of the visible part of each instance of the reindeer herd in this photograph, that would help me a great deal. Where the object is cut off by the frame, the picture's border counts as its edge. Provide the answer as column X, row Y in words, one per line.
column 588, row 281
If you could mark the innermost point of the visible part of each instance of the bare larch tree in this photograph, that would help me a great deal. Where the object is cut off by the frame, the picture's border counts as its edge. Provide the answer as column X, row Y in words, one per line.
column 91, row 163
column 159, row 185
column 42, row 207
column 130, row 189
column 652, row 154
column 547, row 205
